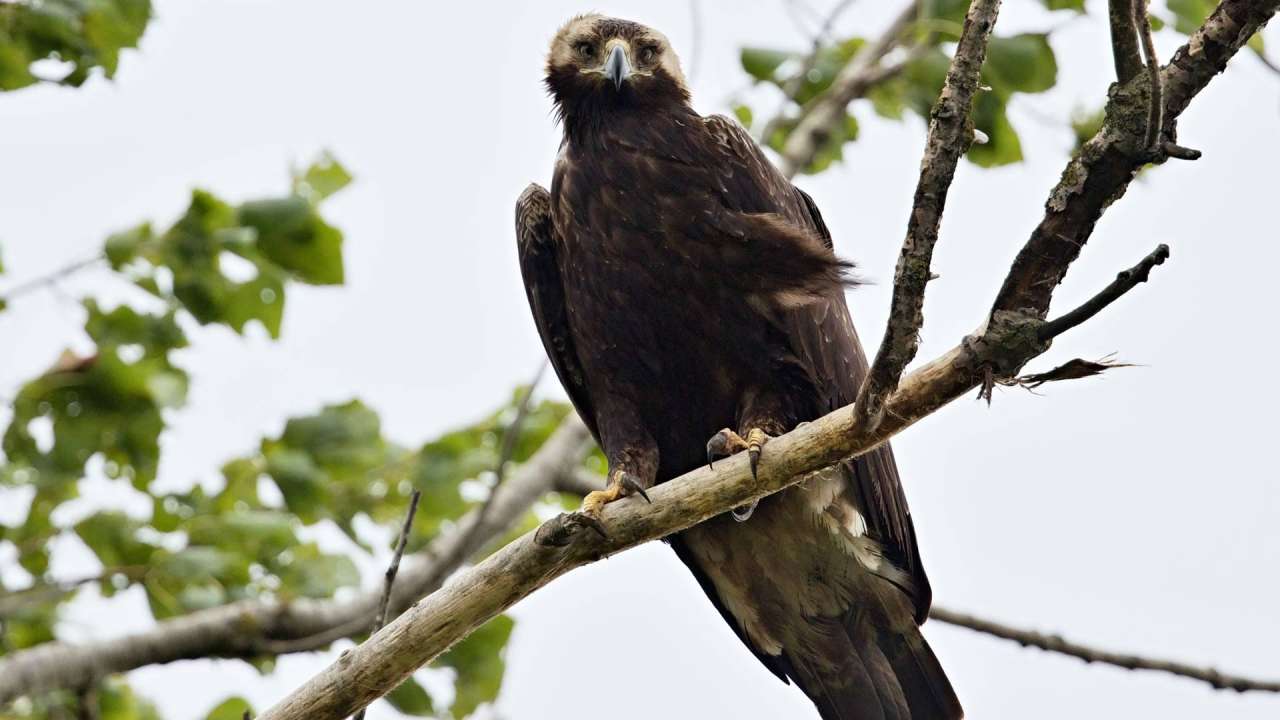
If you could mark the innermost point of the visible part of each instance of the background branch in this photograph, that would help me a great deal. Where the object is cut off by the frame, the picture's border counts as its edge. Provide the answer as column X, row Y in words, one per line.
column 1058, row 644
column 853, row 81
column 257, row 627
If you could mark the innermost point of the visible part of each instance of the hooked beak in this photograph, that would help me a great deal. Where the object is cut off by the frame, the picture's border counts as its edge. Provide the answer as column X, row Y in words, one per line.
column 616, row 67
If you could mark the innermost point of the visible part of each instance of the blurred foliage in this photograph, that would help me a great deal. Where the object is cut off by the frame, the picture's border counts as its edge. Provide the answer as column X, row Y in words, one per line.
column 1022, row 63
column 75, row 36
column 103, row 413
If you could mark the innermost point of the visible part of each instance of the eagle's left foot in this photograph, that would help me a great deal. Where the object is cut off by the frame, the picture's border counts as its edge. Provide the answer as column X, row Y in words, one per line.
column 558, row 531
column 727, row 442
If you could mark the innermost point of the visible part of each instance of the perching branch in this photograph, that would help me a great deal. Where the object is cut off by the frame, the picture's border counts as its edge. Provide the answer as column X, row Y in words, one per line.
column 827, row 112
column 1058, row 644
column 256, row 627
column 1009, row 338
column 950, row 133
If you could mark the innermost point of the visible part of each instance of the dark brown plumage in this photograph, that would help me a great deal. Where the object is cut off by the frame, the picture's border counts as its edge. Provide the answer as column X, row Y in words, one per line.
column 682, row 285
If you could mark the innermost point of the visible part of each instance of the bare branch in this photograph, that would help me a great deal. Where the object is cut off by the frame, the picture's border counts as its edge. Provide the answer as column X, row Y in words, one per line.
column 1155, row 115
column 950, row 134
column 852, row 82
column 256, row 627
column 380, row 618
column 1101, row 173
column 1125, row 281
column 52, row 278
column 1124, row 39
column 1058, row 644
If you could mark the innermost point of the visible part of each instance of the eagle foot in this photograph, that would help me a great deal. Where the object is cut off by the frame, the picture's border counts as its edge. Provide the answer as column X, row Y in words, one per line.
column 558, row 531
column 727, row 442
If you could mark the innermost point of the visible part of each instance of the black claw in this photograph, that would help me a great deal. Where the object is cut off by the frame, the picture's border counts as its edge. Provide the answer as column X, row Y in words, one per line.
column 633, row 485
column 717, row 447
column 754, row 454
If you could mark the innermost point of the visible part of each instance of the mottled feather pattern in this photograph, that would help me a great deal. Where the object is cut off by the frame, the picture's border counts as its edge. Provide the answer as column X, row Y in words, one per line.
column 681, row 284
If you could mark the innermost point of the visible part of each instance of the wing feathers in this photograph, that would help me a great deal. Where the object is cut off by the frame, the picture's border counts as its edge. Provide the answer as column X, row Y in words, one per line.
column 545, row 290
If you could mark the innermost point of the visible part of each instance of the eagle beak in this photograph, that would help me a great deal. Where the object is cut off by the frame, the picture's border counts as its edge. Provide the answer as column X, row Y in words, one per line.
column 617, row 68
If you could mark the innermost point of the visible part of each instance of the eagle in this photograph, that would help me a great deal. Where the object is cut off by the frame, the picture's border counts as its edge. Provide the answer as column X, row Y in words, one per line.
column 684, row 289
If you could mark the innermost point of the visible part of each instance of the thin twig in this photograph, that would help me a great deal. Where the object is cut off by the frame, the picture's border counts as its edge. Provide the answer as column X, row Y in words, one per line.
column 950, row 133
column 510, row 437
column 1125, row 281
column 380, row 618
column 52, row 278
column 1058, row 644
column 1124, row 40
column 1155, row 115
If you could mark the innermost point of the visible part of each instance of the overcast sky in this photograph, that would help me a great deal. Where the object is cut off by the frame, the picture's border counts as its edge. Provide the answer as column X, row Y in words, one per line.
column 1136, row 511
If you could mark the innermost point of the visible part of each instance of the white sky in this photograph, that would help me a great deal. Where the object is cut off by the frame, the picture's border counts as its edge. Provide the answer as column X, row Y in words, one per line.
column 1135, row 511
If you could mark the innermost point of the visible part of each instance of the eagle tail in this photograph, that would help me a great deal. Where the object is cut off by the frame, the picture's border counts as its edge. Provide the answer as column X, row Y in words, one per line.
column 858, row 668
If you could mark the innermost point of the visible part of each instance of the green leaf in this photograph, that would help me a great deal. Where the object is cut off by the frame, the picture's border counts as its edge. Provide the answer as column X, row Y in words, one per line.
column 1021, row 63
column 233, row 708
column 1189, row 15
column 1003, row 146
column 87, row 34
column 478, row 662
column 112, row 536
column 292, row 235
column 743, row 114
column 762, row 63
column 321, row 179
column 311, row 573
column 123, row 246
column 1076, row 5
column 411, row 698
column 117, row 701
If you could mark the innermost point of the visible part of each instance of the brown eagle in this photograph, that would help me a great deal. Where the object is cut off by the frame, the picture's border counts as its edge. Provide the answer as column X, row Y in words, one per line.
column 681, row 285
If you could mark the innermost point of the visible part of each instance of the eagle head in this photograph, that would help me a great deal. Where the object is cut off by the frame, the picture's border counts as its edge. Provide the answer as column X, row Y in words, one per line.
column 597, row 64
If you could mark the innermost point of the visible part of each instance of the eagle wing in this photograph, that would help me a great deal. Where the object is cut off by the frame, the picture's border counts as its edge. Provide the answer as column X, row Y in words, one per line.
column 540, row 269
column 824, row 341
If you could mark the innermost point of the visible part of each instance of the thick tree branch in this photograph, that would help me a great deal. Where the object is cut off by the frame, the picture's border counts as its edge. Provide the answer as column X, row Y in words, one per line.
column 1101, row 172
column 249, row 628
column 950, row 134
column 826, row 112
column 1058, row 644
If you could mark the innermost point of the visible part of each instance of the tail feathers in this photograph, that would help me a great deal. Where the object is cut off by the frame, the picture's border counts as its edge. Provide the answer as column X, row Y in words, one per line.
column 860, row 670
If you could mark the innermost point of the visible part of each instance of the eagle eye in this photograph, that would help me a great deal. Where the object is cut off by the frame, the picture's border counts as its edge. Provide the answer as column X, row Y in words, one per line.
column 586, row 50
column 648, row 54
